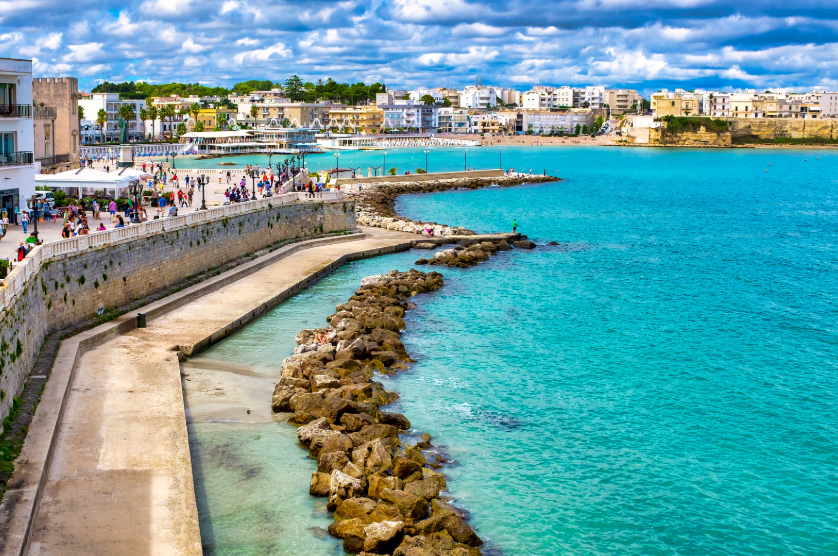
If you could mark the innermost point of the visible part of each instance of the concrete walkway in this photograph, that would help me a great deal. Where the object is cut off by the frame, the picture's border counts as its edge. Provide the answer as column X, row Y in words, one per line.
column 120, row 482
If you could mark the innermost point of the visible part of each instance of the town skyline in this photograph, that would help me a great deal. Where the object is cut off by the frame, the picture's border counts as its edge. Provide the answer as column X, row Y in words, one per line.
column 647, row 46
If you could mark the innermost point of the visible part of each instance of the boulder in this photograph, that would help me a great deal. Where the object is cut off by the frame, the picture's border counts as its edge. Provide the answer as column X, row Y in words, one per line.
column 379, row 482
column 461, row 532
column 305, row 432
column 281, row 399
column 328, row 462
column 414, row 453
column 410, row 506
column 355, row 508
column 341, row 487
column 355, row 421
column 383, row 537
column 431, row 525
column 354, row 471
column 524, row 244
column 396, row 419
column 320, row 483
column 320, row 382
column 301, row 383
column 504, row 246
column 336, row 442
column 405, row 467
column 424, row 245
column 308, row 403
column 371, row 432
column 386, row 357
column 426, row 488
column 352, row 533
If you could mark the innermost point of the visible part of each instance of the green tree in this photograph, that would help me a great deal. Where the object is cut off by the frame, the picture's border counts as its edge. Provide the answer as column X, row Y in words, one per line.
column 222, row 121
column 126, row 111
column 392, row 171
column 153, row 114
column 599, row 122
column 168, row 112
column 81, row 113
column 199, row 126
column 194, row 109
column 102, row 120
column 446, row 102
column 254, row 111
column 284, row 122
column 181, row 128
column 585, row 129
column 428, row 100
column 144, row 116
column 578, row 128
column 294, row 88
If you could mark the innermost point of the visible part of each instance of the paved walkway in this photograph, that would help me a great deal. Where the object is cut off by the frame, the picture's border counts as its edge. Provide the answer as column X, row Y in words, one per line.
column 121, row 478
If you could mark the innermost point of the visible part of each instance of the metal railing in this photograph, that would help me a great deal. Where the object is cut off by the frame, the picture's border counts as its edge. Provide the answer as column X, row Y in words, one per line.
column 52, row 160
column 15, row 111
column 17, row 279
column 19, row 158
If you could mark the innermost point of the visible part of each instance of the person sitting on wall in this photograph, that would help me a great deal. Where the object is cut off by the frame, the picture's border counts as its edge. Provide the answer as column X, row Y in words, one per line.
column 21, row 251
column 101, row 228
column 120, row 223
column 173, row 210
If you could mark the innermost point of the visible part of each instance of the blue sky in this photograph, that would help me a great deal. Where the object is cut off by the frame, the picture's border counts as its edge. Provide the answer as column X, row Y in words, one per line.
column 642, row 44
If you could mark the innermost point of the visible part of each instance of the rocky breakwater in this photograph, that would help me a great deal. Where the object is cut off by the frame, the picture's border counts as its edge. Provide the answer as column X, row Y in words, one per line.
column 375, row 203
column 384, row 491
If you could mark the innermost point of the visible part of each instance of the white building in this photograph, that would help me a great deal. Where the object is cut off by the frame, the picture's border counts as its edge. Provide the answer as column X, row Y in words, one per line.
column 417, row 94
column 715, row 104
column 111, row 103
column 17, row 136
column 454, row 120
column 407, row 114
column 593, row 96
column 484, row 97
column 546, row 122
column 543, row 97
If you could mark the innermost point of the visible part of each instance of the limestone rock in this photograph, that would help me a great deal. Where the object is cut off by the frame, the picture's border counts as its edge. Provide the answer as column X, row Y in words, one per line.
column 524, row 244
column 319, row 382
column 383, row 537
column 379, row 482
column 461, row 531
column 352, row 533
column 305, row 432
column 355, row 508
column 409, row 505
column 320, row 484
column 405, row 467
column 328, row 462
column 341, row 487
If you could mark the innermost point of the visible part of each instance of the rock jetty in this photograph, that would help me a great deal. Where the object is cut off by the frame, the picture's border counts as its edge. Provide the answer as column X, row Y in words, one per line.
column 385, row 493
column 375, row 203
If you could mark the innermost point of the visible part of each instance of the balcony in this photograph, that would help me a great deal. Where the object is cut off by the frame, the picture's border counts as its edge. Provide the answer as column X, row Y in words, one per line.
column 21, row 158
column 15, row 111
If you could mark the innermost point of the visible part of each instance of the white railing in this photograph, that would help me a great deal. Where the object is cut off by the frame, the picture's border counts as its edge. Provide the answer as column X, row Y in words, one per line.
column 17, row 279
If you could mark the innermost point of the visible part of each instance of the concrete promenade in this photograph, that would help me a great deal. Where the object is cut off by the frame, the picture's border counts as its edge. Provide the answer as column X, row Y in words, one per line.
column 120, row 477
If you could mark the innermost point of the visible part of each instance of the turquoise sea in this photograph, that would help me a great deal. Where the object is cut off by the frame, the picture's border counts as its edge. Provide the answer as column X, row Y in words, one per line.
column 663, row 382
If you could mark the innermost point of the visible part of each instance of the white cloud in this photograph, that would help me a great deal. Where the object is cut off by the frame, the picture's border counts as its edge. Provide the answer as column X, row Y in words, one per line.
column 247, row 42
column 229, row 6
column 166, row 7
column 475, row 55
column 11, row 38
column 194, row 62
column 480, row 30
column 272, row 52
column 42, row 69
column 123, row 27
column 84, row 52
column 190, row 46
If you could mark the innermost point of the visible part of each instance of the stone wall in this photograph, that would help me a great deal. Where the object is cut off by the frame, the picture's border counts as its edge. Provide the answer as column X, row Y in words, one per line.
column 773, row 128
column 72, row 288
column 701, row 138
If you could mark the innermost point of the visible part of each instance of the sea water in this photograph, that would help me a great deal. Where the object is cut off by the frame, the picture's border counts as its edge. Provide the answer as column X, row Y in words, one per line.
column 662, row 382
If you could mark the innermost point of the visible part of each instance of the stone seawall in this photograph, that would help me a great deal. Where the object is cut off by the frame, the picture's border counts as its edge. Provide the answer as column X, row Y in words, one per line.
column 774, row 128
column 424, row 177
column 71, row 289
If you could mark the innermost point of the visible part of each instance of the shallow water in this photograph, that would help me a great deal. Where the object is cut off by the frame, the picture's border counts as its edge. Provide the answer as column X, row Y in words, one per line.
column 663, row 382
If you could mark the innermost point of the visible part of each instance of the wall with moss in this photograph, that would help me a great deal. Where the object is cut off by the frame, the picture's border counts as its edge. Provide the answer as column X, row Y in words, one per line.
column 72, row 288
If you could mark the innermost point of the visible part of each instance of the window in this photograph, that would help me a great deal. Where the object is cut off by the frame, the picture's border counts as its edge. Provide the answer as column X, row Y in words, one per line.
column 7, row 142
column 7, row 93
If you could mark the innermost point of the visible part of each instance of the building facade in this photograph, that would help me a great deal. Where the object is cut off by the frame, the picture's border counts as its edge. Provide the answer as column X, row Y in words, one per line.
column 111, row 103
column 678, row 103
column 558, row 121
column 56, row 121
column 454, row 120
column 17, row 137
column 366, row 120
column 621, row 101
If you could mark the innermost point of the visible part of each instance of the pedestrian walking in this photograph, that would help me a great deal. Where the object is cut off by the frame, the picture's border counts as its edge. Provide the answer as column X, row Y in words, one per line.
column 24, row 220
column 112, row 209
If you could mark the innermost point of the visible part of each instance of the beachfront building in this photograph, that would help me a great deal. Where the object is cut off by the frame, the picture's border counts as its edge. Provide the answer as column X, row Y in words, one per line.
column 493, row 123
column 56, row 122
column 483, row 97
column 593, row 97
column 278, row 111
column 454, row 120
column 111, row 103
column 746, row 105
column 365, row 120
column 278, row 140
column 417, row 94
column 17, row 137
column 621, row 101
column 216, row 117
column 408, row 114
column 542, row 122
column 677, row 103
column 715, row 104
column 543, row 97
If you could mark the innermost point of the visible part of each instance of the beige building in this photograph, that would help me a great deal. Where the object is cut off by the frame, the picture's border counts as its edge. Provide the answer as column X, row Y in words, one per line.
column 679, row 103
column 298, row 114
column 56, row 123
column 366, row 120
column 622, row 100
column 746, row 105
column 209, row 117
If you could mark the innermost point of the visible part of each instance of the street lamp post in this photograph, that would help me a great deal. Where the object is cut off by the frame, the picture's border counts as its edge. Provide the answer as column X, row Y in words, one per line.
column 173, row 161
column 465, row 162
column 337, row 163
column 32, row 203
column 500, row 157
column 426, row 161
column 201, row 179
column 253, row 182
column 384, row 165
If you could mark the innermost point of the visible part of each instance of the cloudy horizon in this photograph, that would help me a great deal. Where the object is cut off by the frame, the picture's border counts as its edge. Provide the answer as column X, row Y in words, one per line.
column 642, row 44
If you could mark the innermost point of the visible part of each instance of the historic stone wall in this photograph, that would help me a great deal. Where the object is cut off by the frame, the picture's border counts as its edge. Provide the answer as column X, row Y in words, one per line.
column 773, row 128
column 71, row 288
column 701, row 138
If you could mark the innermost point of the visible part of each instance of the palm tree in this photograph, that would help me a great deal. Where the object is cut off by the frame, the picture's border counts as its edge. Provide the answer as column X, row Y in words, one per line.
column 253, row 112
column 102, row 119
column 153, row 114
column 194, row 110
column 199, row 126
column 143, row 115
column 81, row 113
column 168, row 111
column 222, row 120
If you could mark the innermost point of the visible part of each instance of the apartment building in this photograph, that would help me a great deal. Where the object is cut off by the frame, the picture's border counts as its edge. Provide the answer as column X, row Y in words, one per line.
column 621, row 100
column 454, row 120
column 298, row 114
column 417, row 94
column 746, row 105
column 17, row 137
column 451, row 95
column 111, row 103
column 716, row 105
column 678, row 103
column 365, row 120
column 492, row 123
column 210, row 117
column 56, row 123
column 553, row 121
column 544, row 97
column 593, row 97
